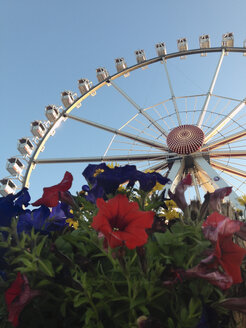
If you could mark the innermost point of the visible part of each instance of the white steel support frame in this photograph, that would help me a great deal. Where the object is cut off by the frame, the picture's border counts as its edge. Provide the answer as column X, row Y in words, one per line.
column 119, row 132
column 210, row 91
column 122, row 158
column 225, row 120
column 202, row 165
column 175, row 174
column 194, row 180
column 221, row 142
column 146, row 115
column 171, row 91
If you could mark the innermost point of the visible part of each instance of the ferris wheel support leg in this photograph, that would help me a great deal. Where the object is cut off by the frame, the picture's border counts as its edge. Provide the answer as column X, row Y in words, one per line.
column 195, row 185
column 175, row 174
column 210, row 91
column 202, row 165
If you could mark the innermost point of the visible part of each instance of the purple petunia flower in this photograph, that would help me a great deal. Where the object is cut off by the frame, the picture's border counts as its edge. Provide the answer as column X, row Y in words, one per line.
column 43, row 219
column 104, row 180
column 12, row 205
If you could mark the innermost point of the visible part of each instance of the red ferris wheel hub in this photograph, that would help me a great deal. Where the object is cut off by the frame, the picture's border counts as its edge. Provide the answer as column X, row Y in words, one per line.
column 185, row 139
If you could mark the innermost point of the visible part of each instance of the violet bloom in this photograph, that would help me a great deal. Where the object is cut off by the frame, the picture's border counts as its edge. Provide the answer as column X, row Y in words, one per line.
column 104, row 180
column 12, row 205
column 43, row 220
column 217, row 196
column 178, row 197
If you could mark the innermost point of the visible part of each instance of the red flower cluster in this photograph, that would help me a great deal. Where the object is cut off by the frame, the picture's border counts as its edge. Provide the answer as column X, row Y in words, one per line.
column 50, row 196
column 122, row 223
column 17, row 296
column 219, row 230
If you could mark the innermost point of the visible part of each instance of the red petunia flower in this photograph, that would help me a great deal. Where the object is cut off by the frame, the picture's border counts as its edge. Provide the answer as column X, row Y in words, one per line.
column 122, row 223
column 219, row 230
column 50, row 196
column 17, row 297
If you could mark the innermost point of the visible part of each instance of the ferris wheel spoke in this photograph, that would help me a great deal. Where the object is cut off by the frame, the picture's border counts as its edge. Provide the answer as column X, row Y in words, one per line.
column 172, row 93
column 141, row 111
column 221, row 142
column 148, row 142
column 225, row 120
column 118, row 158
column 159, row 166
column 228, row 154
column 229, row 169
column 210, row 91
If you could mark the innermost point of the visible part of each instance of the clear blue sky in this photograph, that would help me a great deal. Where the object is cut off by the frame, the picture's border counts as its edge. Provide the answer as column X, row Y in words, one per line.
column 46, row 46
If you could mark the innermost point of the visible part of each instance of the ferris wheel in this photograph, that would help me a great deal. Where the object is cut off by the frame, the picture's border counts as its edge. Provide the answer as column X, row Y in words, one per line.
column 203, row 134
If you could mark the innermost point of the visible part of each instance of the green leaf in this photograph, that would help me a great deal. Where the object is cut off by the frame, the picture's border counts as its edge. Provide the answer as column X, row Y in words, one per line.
column 89, row 314
column 24, row 260
column 98, row 295
column 46, row 267
column 40, row 246
column 194, row 306
column 170, row 323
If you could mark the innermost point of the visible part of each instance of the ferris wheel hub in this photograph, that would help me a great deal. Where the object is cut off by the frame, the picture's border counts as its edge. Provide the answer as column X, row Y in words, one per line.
column 185, row 139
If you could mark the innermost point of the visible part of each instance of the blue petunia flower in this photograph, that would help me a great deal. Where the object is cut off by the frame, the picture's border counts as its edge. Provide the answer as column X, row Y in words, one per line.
column 12, row 205
column 43, row 219
column 104, row 180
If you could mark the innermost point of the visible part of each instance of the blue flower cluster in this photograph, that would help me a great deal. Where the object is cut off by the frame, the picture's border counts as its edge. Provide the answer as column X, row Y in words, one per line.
column 104, row 180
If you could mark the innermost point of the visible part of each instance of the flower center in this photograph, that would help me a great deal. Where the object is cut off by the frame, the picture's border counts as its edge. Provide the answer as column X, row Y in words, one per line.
column 117, row 223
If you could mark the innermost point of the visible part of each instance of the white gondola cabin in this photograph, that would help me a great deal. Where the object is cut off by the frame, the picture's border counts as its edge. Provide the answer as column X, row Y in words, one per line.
column 244, row 45
column 67, row 98
column 204, row 42
column 102, row 74
column 227, row 40
column 161, row 49
column 84, row 86
column 140, row 56
column 25, row 146
column 14, row 166
column 182, row 46
column 38, row 129
column 121, row 65
column 52, row 113
column 7, row 186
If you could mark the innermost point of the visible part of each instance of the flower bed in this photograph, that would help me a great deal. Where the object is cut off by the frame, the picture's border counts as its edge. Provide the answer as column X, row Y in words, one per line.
column 119, row 254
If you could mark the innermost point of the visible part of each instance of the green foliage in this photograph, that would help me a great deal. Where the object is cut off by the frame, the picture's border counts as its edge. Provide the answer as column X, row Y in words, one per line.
column 82, row 284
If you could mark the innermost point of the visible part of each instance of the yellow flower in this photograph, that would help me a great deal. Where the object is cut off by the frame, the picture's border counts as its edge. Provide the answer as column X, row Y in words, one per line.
column 122, row 187
column 242, row 200
column 98, row 171
column 73, row 223
column 157, row 187
column 169, row 214
column 112, row 165
column 170, row 203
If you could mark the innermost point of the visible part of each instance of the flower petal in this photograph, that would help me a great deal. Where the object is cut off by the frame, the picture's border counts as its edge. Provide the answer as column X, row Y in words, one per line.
column 50, row 196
